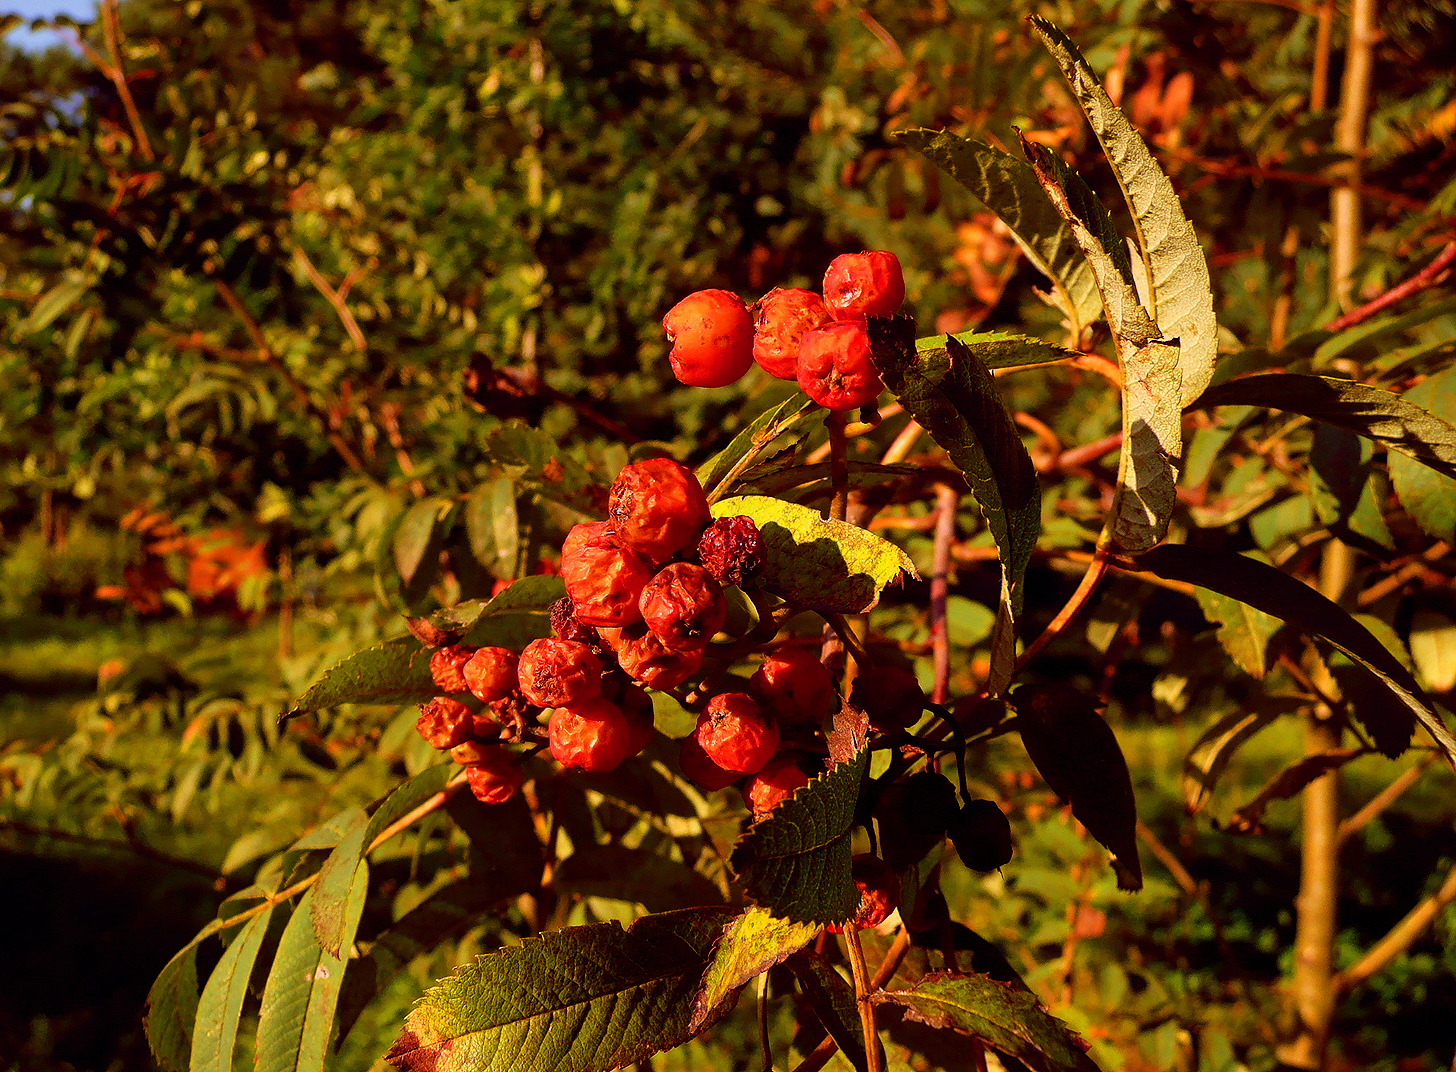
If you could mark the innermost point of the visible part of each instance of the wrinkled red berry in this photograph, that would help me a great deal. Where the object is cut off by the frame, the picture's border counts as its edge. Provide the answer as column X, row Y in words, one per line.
column 566, row 624
column 777, row 781
column 555, row 672
column 491, row 674
column 793, row 684
column 647, row 661
column 444, row 722
column 857, row 285
column 711, row 332
column 657, row 508
column 603, row 577
column 447, row 664
column 591, row 734
column 683, row 606
column 702, row 771
column 636, row 708
column 731, row 549
column 469, row 753
column 835, row 369
column 780, row 319
column 879, row 893
column 890, row 695
column 736, row 734
column 494, row 779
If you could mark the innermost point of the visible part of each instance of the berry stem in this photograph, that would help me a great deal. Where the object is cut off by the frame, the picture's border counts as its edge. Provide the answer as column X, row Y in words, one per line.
column 947, row 499
column 849, row 638
column 838, row 465
column 1096, row 570
column 862, row 992
column 763, row 1045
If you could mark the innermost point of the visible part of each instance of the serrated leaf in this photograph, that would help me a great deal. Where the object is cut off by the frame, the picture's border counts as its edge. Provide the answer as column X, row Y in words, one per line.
column 1210, row 755
column 216, row 1028
column 1181, row 292
column 1009, row 188
column 859, row 475
column 750, row 945
column 1244, row 631
column 1000, row 349
column 1152, row 417
column 828, row 565
column 1275, row 592
column 327, row 907
column 831, row 997
column 1007, row 1020
column 297, row 1013
column 586, row 999
column 1405, row 423
column 1077, row 753
column 1433, row 647
column 635, row 875
column 1430, row 497
column 475, row 618
column 1287, row 783
column 764, row 428
column 796, row 862
column 172, row 1008
column 395, row 672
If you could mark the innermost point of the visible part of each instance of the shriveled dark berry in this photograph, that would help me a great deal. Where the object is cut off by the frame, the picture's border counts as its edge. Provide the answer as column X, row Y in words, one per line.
column 890, row 695
column 554, row 672
column 795, row 686
column 879, row 893
column 780, row 319
column 591, row 734
column 981, row 835
column 494, row 779
column 603, row 577
column 444, row 722
column 657, row 508
column 566, row 625
column 736, row 734
column 491, row 674
column 447, row 666
column 731, row 549
column 683, row 606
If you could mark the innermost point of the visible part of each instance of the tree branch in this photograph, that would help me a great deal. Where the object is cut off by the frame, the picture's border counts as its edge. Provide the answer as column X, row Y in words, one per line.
column 1383, row 799
column 1399, row 938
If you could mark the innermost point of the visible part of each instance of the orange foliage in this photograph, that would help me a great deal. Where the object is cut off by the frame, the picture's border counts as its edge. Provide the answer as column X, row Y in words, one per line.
column 216, row 564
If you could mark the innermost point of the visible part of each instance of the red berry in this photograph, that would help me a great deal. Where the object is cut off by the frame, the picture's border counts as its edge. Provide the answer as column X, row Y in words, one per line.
column 603, row 577
column 492, row 674
column 591, row 734
column 683, row 606
column 636, row 708
column 657, row 508
column 890, row 695
column 835, row 369
column 556, row 672
column 731, row 549
column 793, row 684
column 444, row 722
column 469, row 753
column 647, row 661
column 879, row 893
column 736, row 734
column 566, row 624
column 780, row 319
column 857, row 285
column 495, row 779
column 777, row 781
column 711, row 332
column 702, row 771
column 447, row 664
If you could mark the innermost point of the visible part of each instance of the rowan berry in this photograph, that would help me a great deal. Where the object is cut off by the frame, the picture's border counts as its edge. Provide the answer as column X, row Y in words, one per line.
column 777, row 781
column 699, row 769
column 469, row 753
column 731, row 549
column 981, row 835
column 794, row 685
column 495, row 779
column 591, row 734
column 566, row 624
column 647, row 661
column 683, row 606
column 879, row 893
column 603, row 577
column 447, row 666
column 736, row 734
column 890, row 695
column 444, row 722
column 835, row 368
column 657, row 508
column 857, row 285
column 636, row 708
column 555, row 672
column 491, row 674
column 711, row 332
column 780, row 319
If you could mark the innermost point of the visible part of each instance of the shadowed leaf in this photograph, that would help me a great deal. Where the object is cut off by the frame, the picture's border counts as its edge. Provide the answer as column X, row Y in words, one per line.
column 328, row 906
column 1287, row 783
column 1428, row 496
column 1210, row 754
column 634, row 875
column 765, row 428
column 831, row 997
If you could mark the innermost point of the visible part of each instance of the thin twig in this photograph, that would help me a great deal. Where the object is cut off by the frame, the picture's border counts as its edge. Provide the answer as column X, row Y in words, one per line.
column 904, row 443
column 133, row 844
column 838, row 466
column 1227, row 167
column 893, row 958
column 1096, row 569
column 1383, row 799
column 763, row 1045
column 111, row 29
column 1398, row 939
column 1171, row 863
column 1429, row 276
column 862, row 994
column 947, row 500
column 332, row 296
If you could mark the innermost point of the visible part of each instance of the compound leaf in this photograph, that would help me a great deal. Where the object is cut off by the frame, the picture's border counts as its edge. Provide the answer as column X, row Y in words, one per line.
column 831, row 997
column 764, row 429
column 395, row 672
column 635, row 875
column 751, row 944
column 216, row 1028
column 1244, row 631
column 327, row 907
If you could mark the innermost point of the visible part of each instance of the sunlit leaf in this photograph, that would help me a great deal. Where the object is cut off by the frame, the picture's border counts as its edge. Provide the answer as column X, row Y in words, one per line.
column 1244, row 631
column 221, row 1004
column 751, row 944
column 396, row 672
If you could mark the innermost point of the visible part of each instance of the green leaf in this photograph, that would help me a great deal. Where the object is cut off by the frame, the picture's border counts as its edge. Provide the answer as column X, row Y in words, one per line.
column 751, row 944
column 1007, row 1020
column 796, row 863
column 221, row 1005
column 479, row 621
column 302, row 992
column 713, row 474
column 586, row 999
column 952, row 394
column 634, row 875
column 172, row 1007
column 1277, row 593
column 796, row 477
column 999, row 349
column 53, row 303
column 1428, row 497
column 492, row 524
column 396, row 672
column 1433, row 647
column 1181, row 295
column 828, row 565
column 328, row 906
column 831, row 997
column 407, row 796
column 1077, row 753
column 1210, row 755
column 1152, row 419
column 1287, row 783
column 1342, row 488
column 1405, row 424
column 1009, row 188
column 423, row 528
column 1244, row 631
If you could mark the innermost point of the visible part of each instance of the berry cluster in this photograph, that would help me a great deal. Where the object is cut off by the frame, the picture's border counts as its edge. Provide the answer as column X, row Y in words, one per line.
column 793, row 334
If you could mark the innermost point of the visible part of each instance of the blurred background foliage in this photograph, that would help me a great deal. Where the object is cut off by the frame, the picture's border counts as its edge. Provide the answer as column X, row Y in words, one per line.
column 278, row 321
